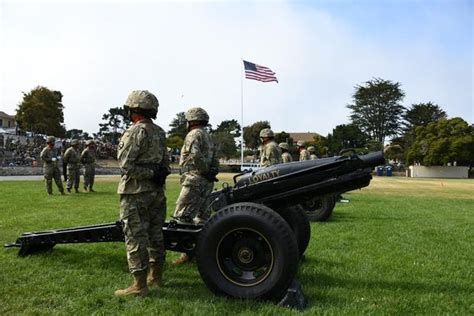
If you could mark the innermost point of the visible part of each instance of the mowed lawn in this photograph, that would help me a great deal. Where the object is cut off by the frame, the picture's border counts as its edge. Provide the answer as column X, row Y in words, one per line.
column 401, row 246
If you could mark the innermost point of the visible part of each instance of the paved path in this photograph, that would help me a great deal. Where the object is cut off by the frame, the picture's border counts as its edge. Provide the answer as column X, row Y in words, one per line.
column 39, row 178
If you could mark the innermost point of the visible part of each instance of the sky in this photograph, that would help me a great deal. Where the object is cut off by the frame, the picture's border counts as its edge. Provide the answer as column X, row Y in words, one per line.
column 189, row 53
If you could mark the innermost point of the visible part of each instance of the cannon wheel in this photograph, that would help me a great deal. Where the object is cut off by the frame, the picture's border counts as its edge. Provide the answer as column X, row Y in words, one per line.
column 298, row 220
column 247, row 250
column 319, row 210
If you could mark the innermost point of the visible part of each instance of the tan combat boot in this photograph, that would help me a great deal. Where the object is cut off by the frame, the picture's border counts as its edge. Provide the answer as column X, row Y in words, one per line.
column 183, row 259
column 155, row 275
column 138, row 287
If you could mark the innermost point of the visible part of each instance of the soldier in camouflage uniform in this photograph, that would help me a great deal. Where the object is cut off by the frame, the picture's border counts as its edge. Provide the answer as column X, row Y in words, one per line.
column 72, row 159
column 88, row 160
column 144, row 163
column 198, row 168
column 304, row 154
column 50, row 166
column 312, row 153
column 285, row 155
column 270, row 153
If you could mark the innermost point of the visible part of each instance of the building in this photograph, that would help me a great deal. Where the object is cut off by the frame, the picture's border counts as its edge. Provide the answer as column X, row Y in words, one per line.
column 308, row 137
column 7, row 121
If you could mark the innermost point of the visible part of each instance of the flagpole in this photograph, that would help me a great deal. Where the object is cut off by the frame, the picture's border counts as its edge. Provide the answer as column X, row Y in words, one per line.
column 241, row 116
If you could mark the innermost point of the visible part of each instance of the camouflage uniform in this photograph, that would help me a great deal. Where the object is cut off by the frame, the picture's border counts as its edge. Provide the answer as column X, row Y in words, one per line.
column 50, row 169
column 72, row 160
column 142, row 201
column 285, row 156
column 197, row 160
column 270, row 154
column 88, row 160
column 312, row 152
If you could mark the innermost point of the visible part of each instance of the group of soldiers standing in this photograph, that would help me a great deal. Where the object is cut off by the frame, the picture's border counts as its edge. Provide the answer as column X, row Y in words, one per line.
column 72, row 159
column 272, row 153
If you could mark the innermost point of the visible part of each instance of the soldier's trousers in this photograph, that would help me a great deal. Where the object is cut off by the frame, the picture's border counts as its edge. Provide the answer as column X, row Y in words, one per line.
column 89, row 175
column 192, row 201
column 143, row 215
column 73, row 177
column 49, row 175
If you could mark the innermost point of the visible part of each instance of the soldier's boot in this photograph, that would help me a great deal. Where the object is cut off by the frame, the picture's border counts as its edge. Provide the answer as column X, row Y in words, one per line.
column 62, row 193
column 85, row 188
column 69, row 190
column 76, row 190
column 183, row 259
column 91, row 190
column 138, row 287
column 155, row 275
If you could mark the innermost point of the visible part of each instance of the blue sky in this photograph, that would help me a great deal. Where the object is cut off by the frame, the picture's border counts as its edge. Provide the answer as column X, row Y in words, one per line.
column 189, row 54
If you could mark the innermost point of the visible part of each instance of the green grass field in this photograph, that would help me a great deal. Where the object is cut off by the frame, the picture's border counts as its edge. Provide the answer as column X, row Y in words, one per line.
column 402, row 246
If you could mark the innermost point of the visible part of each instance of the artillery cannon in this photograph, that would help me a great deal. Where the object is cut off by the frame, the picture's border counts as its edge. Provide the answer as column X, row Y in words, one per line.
column 251, row 245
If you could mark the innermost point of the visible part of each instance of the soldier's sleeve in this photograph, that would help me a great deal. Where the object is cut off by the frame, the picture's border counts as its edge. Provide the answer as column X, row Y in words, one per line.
column 67, row 155
column 165, row 162
column 44, row 156
column 129, row 154
column 200, row 162
column 84, row 156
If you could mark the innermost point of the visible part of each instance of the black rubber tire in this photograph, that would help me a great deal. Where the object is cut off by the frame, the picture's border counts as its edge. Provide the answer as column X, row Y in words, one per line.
column 320, row 209
column 296, row 217
column 225, row 242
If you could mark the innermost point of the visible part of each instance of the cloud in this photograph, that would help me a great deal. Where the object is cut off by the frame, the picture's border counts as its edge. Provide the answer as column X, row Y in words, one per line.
column 96, row 54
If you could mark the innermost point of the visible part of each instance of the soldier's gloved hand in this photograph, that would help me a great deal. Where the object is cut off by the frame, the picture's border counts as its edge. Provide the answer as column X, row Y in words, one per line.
column 53, row 159
column 211, row 175
column 159, row 174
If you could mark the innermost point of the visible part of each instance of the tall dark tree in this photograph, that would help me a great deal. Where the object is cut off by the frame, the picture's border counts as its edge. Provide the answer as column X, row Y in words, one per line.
column 178, row 126
column 252, row 134
column 41, row 112
column 422, row 114
column 346, row 136
column 116, row 121
column 377, row 110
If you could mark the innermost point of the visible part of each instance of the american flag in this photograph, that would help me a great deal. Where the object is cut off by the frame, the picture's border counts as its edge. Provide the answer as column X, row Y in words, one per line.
column 257, row 72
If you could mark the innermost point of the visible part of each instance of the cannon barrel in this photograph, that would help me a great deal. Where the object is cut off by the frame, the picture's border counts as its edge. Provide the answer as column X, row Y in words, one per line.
column 373, row 159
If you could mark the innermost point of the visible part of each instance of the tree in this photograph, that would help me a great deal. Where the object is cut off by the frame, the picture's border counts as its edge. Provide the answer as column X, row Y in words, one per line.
column 231, row 127
column 225, row 144
column 116, row 121
column 422, row 114
column 252, row 134
column 377, row 110
column 178, row 126
column 444, row 141
column 346, row 136
column 174, row 142
column 283, row 137
column 41, row 112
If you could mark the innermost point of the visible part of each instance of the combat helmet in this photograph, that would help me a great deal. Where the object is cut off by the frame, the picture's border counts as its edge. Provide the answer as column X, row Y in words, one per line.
column 142, row 99
column 301, row 143
column 266, row 132
column 50, row 140
column 284, row 146
column 74, row 142
column 196, row 114
column 311, row 149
